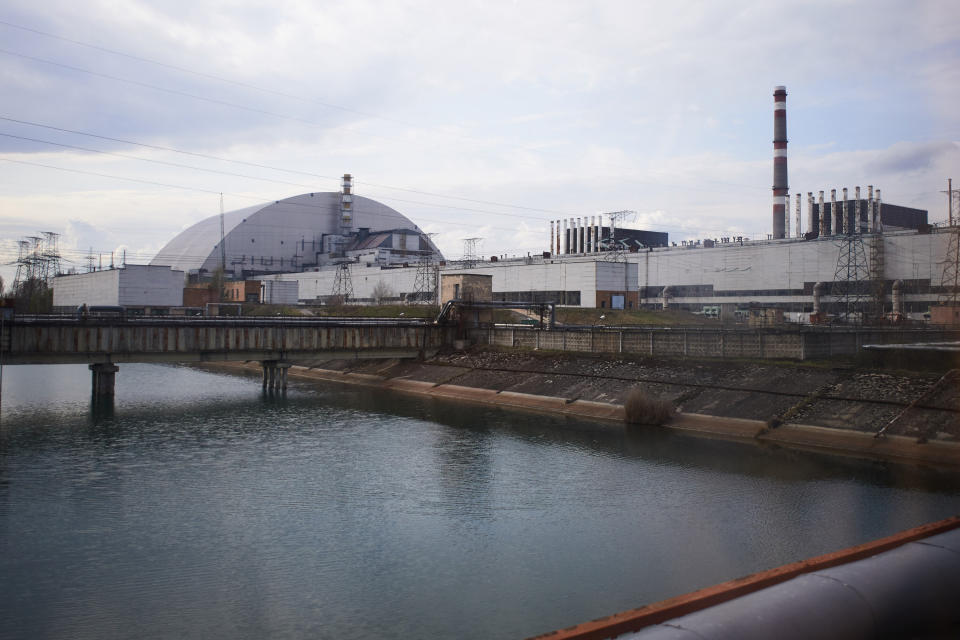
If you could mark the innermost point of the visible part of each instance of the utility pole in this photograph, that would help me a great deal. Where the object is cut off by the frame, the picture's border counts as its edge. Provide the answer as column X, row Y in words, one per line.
column 951, row 195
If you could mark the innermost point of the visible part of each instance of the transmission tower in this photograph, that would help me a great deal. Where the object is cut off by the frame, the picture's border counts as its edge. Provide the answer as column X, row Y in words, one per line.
column 52, row 266
column 23, row 263
column 950, row 279
column 615, row 248
column 342, row 282
column 470, row 257
column 425, row 283
column 852, row 282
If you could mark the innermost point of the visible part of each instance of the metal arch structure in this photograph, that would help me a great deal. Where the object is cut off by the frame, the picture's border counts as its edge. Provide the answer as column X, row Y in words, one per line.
column 280, row 232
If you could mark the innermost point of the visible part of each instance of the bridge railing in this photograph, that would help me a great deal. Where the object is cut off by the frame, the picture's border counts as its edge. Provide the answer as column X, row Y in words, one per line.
column 74, row 319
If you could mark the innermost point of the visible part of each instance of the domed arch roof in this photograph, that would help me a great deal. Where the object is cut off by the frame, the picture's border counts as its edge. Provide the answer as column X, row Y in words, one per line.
column 278, row 236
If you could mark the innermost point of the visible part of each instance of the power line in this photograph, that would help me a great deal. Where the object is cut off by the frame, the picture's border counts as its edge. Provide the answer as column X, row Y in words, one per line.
column 147, row 85
column 154, row 161
column 280, row 169
column 262, row 199
column 201, row 74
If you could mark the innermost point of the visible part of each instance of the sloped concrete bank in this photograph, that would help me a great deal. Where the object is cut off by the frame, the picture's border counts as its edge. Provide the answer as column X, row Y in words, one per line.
column 825, row 409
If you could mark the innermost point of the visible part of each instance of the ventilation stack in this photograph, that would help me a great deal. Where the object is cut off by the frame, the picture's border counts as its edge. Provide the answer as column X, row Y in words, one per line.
column 780, row 188
column 346, row 205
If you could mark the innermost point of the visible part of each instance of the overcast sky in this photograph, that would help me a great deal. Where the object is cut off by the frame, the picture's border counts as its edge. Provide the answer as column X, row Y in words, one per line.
column 474, row 119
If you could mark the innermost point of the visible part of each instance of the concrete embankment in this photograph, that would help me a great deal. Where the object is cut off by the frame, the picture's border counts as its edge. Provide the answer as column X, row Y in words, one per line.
column 829, row 409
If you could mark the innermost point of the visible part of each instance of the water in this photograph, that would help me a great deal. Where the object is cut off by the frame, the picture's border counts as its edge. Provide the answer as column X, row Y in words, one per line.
column 202, row 508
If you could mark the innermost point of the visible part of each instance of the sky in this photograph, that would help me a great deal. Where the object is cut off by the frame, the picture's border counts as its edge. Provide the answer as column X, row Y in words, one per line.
column 122, row 122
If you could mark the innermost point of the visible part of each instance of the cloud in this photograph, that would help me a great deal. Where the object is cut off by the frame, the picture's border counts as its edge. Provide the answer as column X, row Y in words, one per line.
column 555, row 107
column 906, row 157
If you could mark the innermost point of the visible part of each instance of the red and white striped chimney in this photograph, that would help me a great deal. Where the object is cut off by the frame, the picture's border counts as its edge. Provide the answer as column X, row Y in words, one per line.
column 780, row 188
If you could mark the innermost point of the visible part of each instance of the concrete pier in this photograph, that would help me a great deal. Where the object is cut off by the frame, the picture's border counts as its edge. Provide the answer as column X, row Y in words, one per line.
column 275, row 374
column 104, row 378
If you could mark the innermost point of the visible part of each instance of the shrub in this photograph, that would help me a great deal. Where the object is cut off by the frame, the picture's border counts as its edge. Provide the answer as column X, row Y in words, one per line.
column 643, row 408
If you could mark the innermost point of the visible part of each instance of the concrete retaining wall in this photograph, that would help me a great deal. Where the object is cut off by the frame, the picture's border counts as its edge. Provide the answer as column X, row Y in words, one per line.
column 792, row 344
column 132, row 342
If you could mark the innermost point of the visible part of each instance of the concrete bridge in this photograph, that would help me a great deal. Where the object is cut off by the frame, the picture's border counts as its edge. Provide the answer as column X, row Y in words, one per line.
column 103, row 343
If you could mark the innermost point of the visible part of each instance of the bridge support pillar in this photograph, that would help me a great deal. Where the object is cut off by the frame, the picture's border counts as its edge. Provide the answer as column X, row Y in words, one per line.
column 104, row 377
column 269, row 371
column 275, row 374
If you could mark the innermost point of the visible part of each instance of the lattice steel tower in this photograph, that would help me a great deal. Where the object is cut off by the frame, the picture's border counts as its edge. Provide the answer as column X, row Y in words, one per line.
column 950, row 279
column 615, row 251
column 852, row 284
column 342, row 282
column 428, row 271
column 470, row 257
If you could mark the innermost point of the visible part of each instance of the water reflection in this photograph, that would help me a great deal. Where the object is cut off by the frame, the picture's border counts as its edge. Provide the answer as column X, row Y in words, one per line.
column 341, row 511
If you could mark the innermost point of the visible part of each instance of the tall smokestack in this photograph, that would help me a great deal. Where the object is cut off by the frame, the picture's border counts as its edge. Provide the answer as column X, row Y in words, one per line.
column 859, row 226
column 835, row 213
column 780, row 188
column 878, row 207
column 845, row 226
column 798, row 231
column 824, row 227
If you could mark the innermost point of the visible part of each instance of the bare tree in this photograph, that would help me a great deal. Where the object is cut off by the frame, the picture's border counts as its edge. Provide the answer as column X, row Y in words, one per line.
column 380, row 291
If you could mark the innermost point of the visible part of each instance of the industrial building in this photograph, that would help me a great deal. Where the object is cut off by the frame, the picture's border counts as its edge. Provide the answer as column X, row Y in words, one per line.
column 135, row 286
column 887, row 255
column 789, row 274
column 322, row 248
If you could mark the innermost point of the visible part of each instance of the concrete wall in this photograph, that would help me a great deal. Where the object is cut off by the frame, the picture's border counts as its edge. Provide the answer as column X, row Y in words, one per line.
column 808, row 344
column 783, row 265
column 550, row 275
column 279, row 292
column 95, row 288
column 130, row 286
column 471, row 287
column 143, row 285
column 315, row 285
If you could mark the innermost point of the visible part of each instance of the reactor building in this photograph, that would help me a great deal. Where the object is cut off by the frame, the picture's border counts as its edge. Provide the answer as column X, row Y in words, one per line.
column 308, row 231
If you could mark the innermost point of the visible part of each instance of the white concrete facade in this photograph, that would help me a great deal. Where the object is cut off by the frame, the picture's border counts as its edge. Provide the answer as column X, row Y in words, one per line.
column 776, row 272
column 128, row 286
column 318, row 285
column 279, row 292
